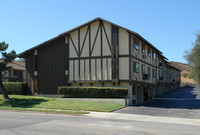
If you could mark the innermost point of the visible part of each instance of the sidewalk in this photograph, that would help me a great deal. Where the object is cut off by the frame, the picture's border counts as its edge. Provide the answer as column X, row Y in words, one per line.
column 145, row 118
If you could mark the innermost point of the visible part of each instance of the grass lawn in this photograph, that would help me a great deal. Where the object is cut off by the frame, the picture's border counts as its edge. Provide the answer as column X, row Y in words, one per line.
column 25, row 102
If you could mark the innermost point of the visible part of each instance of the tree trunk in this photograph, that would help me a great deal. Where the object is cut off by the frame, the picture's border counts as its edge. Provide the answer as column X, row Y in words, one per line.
column 5, row 95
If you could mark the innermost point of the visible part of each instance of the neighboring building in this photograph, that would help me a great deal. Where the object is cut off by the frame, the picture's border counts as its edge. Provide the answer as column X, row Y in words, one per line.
column 185, row 70
column 16, row 73
column 100, row 53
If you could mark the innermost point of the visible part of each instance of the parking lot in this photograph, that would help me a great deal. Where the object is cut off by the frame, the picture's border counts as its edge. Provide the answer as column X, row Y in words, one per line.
column 184, row 102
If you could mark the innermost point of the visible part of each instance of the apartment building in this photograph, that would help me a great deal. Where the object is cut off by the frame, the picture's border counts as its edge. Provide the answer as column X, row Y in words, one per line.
column 16, row 73
column 100, row 53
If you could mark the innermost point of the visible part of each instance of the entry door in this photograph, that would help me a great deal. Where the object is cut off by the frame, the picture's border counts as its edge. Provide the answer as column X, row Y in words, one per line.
column 36, row 84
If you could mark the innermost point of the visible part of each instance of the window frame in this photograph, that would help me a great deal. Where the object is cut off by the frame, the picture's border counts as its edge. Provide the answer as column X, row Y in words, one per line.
column 154, row 55
column 154, row 73
column 143, row 48
column 136, row 43
column 143, row 69
column 136, row 67
column 149, row 71
column 149, row 52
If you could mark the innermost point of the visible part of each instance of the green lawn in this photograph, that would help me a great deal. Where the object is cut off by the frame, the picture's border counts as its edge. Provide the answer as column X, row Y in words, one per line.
column 19, row 101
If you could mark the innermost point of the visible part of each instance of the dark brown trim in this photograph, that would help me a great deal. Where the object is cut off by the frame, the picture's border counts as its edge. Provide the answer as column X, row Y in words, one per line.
column 89, row 52
column 95, row 38
column 140, row 60
column 92, row 81
column 101, row 51
column 84, row 40
column 107, row 37
column 92, row 21
column 79, row 62
column 114, row 83
column 92, row 57
column 114, row 30
column 74, row 45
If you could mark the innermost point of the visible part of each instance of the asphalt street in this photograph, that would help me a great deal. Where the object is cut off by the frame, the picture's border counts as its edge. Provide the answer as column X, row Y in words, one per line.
column 176, row 113
column 183, row 103
column 19, row 123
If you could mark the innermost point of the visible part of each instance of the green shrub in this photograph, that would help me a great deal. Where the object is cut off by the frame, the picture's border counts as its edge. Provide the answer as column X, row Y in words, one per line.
column 16, row 88
column 93, row 92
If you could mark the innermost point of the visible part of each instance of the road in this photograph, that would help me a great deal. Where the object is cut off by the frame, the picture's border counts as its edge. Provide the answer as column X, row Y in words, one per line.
column 182, row 103
column 19, row 123
column 176, row 113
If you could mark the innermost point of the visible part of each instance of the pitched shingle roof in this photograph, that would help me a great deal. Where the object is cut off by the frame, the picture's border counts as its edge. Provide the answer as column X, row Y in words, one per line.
column 16, row 64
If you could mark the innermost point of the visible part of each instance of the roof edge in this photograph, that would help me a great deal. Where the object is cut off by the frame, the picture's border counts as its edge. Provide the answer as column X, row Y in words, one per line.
column 93, row 20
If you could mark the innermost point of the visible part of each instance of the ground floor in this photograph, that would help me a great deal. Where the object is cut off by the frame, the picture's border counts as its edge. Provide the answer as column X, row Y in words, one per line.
column 138, row 93
column 182, row 103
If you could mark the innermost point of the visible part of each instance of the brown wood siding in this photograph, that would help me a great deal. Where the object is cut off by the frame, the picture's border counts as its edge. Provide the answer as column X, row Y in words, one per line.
column 29, row 60
column 51, row 67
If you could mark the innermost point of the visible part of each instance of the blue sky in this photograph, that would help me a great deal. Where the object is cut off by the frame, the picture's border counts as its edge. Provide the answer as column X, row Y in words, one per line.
column 169, row 25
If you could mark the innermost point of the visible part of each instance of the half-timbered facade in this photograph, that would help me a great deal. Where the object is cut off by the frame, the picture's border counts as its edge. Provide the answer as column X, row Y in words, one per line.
column 99, row 53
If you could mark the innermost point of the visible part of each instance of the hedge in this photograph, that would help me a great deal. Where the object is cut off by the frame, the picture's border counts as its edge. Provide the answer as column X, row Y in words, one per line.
column 93, row 92
column 16, row 88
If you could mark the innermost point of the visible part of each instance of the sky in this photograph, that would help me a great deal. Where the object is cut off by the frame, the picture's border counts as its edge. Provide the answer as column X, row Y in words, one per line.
column 170, row 25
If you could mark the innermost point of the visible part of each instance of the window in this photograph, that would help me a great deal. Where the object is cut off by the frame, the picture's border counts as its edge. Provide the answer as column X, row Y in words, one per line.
column 159, row 73
column 154, row 55
column 143, row 69
column 149, row 71
column 162, row 74
column 154, row 73
column 149, row 52
column 15, row 73
column 136, row 67
column 143, row 48
column 136, row 43
column 114, row 52
column 114, row 69
column 114, row 43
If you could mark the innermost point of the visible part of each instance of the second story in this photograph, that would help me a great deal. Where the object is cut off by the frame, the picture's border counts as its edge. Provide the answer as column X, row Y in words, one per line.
column 98, row 51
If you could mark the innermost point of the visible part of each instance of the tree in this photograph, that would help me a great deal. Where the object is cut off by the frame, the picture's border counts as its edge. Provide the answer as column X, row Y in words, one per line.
column 193, row 58
column 6, row 57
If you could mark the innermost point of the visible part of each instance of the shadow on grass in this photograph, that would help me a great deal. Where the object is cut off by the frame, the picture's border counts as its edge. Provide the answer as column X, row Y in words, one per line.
column 24, row 103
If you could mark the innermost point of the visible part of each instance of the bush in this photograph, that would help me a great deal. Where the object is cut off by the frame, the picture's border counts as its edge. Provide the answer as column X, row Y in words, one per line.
column 16, row 88
column 93, row 92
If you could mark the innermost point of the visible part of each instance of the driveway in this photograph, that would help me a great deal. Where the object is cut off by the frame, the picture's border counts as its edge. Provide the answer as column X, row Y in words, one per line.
column 184, row 102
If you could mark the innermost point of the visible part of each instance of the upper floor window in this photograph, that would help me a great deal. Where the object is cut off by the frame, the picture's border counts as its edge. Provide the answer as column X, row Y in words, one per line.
column 136, row 43
column 159, row 73
column 114, row 42
column 154, row 73
column 149, row 71
column 136, row 67
column 162, row 74
column 143, row 69
column 149, row 52
column 154, row 55
column 143, row 48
